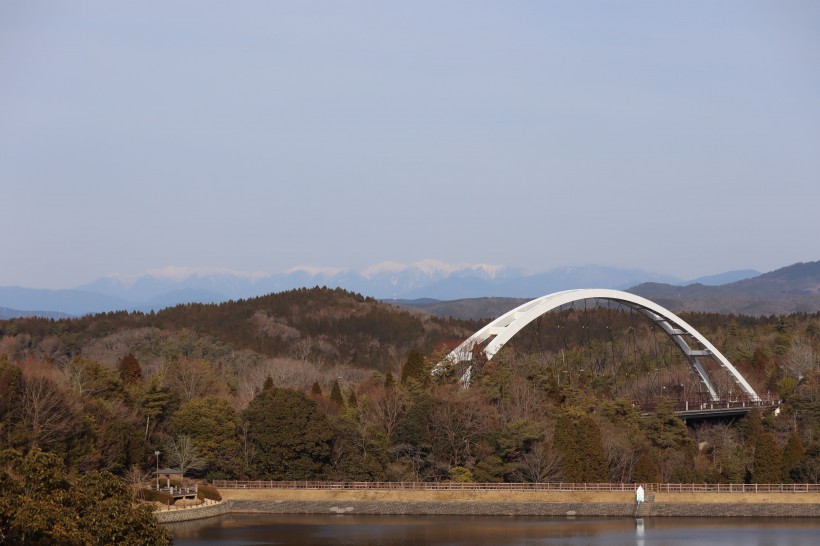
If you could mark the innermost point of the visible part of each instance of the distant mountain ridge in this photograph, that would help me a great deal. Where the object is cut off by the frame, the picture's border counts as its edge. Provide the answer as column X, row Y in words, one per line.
column 6, row 313
column 791, row 289
column 427, row 279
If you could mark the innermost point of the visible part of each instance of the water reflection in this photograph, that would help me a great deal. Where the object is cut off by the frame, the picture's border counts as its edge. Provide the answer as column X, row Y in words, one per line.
column 341, row 530
column 639, row 532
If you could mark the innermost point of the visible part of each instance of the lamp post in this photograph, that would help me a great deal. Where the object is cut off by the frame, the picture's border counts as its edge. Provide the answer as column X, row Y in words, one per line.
column 157, row 455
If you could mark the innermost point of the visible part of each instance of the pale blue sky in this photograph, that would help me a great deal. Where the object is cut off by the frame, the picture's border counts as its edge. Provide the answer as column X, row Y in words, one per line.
column 677, row 137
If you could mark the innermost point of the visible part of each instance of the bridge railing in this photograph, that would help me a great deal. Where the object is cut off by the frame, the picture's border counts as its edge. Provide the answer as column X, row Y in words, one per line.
column 551, row 486
column 697, row 404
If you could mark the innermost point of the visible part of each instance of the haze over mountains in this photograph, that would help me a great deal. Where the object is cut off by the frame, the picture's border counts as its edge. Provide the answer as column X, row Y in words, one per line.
column 428, row 279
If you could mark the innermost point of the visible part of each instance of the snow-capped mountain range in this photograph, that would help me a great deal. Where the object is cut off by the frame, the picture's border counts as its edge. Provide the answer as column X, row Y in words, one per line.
column 169, row 286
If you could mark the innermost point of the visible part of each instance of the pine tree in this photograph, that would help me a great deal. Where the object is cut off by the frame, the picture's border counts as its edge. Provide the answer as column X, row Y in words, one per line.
column 154, row 403
column 268, row 384
column 352, row 400
column 664, row 429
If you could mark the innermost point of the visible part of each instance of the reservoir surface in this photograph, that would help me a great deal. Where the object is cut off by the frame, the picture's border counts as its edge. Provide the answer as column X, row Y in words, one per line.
column 352, row 530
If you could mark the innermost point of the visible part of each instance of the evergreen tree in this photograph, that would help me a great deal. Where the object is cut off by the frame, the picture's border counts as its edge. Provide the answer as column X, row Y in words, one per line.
column 130, row 369
column 414, row 368
column 11, row 385
column 751, row 426
column 154, row 403
column 352, row 400
column 565, row 443
column 490, row 469
column 578, row 440
column 41, row 504
column 268, row 384
column 767, row 462
column 316, row 389
column 593, row 454
column 291, row 437
column 412, row 428
column 389, row 382
column 336, row 393
column 793, row 457
column 213, row 424
column 646, row 470
column 665, row 430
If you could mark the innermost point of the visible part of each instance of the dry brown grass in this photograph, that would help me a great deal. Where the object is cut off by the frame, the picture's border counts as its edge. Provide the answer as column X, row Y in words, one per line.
column 514, row 496
column 739, row 498
column 423, row 496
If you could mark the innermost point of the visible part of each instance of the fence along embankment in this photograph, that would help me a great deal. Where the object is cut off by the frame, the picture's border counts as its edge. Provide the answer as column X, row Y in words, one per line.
column 735, row 488
column 543, row 499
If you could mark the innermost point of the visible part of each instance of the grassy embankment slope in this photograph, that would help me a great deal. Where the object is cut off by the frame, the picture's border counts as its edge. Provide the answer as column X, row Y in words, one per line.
column 516, row 496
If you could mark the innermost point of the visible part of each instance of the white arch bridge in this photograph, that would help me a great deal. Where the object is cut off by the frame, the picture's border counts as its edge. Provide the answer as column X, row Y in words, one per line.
column 502, row 329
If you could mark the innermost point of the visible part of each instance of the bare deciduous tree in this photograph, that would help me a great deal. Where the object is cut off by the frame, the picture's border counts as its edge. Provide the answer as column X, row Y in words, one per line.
column 88, row 378
column 192, row 379
column 136, row 478
column 421, row 461
column 522, row 402
column 458, row 421
column 383, row 408
column 45, row 411
column 540, row 464
column 302, row 349
column 800, row 359
column 620, row 455
column 185, row 453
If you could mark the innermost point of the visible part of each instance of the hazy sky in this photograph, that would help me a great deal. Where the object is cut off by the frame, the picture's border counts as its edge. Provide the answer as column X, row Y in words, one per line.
column 678, row 137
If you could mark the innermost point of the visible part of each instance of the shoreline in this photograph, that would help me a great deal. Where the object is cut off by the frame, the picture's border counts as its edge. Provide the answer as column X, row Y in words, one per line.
column 496, row 503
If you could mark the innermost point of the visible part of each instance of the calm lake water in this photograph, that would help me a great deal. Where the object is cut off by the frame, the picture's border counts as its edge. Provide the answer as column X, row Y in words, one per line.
column 349, row 530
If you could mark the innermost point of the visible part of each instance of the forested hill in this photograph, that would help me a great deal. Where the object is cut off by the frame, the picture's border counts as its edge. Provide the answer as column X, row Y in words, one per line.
column 304, row 385
column 317, row 324
column 792, row 289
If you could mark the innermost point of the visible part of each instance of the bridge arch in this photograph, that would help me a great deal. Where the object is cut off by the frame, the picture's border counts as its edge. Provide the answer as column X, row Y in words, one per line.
column 502, row 329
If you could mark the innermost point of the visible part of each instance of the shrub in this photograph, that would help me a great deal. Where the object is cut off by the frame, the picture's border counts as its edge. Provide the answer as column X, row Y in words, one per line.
column 208, row 492
column 460, row 474
column 158, row 496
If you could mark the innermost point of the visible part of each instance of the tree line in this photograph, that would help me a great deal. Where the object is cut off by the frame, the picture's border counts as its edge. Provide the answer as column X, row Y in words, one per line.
column 546, row 408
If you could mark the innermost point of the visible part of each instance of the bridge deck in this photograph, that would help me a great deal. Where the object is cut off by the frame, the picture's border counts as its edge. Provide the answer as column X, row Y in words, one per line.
column 722, row 408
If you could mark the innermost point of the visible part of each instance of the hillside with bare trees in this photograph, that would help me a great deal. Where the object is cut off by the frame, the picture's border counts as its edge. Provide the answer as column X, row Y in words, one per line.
column 224, row 391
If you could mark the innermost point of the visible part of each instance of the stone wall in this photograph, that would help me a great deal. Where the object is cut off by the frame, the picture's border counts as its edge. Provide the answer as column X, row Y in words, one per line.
column 482, row 508
column 197, row 512
column 432, row 508
column 589, row 509
column 762, row 510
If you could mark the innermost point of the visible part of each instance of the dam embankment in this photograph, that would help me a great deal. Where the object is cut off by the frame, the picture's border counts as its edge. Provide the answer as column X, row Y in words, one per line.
column 502, row 503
